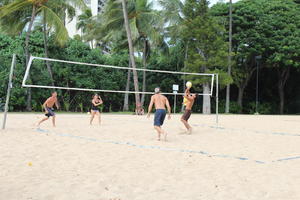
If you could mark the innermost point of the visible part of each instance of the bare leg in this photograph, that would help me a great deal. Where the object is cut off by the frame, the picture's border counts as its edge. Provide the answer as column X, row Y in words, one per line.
column 53, row 121
column 160, row 131
column 99, row 117
column 187, row 126
column 92, row 117
column 44, row 119
column 190, row 130
column 165, row 135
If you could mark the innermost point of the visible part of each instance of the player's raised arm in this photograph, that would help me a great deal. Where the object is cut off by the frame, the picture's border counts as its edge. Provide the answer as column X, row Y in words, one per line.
column 187, row 91
column 101, row 101
column 95, row 103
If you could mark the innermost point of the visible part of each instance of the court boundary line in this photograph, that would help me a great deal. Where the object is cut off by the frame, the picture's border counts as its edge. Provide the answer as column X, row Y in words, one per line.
column 235, row 129
column 253, row 131
column 204, row 153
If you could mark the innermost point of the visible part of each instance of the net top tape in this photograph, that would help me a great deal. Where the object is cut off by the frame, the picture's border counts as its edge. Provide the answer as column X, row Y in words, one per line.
column 106, row 66
column 117, row 67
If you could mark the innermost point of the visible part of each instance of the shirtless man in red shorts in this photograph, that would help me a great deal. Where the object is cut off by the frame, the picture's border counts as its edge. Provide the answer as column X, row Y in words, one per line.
column 190, row 99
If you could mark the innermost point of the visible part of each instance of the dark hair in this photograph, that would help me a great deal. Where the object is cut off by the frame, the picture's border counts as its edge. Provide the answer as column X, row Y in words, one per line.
column 95, row 95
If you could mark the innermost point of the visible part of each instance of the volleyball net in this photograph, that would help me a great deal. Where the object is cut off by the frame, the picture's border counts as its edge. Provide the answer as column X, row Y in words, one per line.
column 92, row 77
column 74, row 79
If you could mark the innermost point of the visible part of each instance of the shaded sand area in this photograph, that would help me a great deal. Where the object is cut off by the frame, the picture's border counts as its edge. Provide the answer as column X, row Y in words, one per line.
column 246, row 157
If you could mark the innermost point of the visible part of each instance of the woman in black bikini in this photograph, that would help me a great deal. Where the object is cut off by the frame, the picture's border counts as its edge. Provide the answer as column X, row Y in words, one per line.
column 96, row 101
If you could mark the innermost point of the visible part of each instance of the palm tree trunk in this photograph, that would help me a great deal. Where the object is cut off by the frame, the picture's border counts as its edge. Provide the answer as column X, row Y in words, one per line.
column 283, row 77
column 240, row 98
column 126, row 97
column 46, row 50
column 227, row 106
column 131, row 54
column 184, row 68
column 144, row 73
column 27, row 54
column 241, row 86
column 206, row 99
column 206, row 109
column 281, row 97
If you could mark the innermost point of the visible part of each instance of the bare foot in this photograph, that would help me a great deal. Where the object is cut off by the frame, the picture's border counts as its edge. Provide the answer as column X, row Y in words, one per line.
column 190, row 130
column 165, row 136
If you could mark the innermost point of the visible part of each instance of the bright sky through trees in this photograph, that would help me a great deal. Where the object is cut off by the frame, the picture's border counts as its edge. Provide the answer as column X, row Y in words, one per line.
column 212, row 2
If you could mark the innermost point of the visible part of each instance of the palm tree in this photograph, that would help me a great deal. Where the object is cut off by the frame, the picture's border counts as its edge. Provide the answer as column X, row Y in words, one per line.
column 173, row 15
column 64, row 7
column 85, row 23
column 30, row 10
column 45, row 33
column 131, row 54
column 145, row 24
column 227, row 106
column 180, row 19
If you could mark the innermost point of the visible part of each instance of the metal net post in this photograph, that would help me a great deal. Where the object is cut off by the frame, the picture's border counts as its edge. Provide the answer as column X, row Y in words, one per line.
column 13, row 63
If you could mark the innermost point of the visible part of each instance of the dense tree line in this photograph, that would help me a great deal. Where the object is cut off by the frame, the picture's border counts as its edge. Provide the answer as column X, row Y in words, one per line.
column 189, row 36
column 72, row 75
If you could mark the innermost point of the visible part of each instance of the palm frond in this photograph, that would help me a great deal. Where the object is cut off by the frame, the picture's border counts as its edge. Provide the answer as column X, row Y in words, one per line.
column 53, row 21
column 80, row 4
column 13, row 7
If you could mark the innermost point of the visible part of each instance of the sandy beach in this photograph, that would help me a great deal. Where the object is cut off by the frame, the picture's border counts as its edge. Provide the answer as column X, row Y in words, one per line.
column 245, row 157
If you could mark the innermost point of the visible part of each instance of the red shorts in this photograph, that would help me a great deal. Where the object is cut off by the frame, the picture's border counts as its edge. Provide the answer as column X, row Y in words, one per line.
column 186, row 115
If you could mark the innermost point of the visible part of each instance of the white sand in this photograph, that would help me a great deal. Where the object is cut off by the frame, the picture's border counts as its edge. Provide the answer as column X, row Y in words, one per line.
column 93, row 167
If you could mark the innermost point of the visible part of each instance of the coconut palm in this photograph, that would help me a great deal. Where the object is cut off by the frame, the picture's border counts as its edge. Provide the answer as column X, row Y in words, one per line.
column 65, row 7
column 85, row 23
column 28, row 11
column 131, row 54
column 145, row 25
column 183, row 24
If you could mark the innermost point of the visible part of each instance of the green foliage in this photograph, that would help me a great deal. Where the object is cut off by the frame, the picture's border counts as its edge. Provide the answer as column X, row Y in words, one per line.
column 64, row 75
column 234, row 107
column 263, row 108
column 246, row 37
column 16, row 14
column 207, row 51
column 270, row 28
column 280, row 27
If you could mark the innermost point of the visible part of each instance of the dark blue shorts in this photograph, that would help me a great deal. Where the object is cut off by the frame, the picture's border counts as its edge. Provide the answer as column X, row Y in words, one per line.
column 50, row 112
column 159, row 118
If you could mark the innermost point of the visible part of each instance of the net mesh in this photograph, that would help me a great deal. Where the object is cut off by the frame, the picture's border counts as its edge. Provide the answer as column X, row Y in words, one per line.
column 70, row 75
